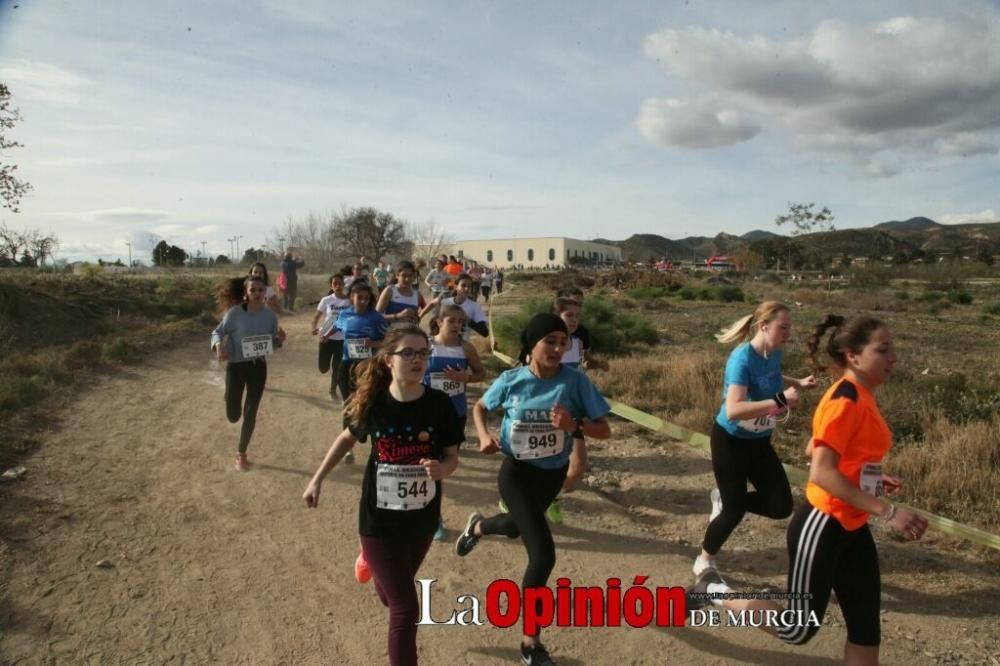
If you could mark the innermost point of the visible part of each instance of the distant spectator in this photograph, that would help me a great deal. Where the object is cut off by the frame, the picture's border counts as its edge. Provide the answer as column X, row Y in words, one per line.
column 290, row 271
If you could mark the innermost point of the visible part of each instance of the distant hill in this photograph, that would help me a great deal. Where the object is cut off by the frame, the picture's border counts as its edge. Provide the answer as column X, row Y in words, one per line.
column 912, row 224
column 917, row 236
column 758, row 234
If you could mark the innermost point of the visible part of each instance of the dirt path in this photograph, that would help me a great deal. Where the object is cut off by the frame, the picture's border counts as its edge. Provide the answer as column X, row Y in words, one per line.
column 215, row 566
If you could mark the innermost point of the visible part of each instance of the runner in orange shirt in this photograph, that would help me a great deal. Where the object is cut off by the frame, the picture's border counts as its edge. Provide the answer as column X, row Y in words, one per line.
column 830, row 546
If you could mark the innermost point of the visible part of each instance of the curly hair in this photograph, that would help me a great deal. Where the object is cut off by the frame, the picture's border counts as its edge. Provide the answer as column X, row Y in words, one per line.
column 373, row 376
column 847, row 336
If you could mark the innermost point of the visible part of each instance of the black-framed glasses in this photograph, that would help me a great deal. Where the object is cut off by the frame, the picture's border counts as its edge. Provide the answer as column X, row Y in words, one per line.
column 410, row 354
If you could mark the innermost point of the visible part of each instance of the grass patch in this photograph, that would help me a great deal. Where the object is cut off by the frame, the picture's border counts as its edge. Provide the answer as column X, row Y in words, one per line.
column 612, row 331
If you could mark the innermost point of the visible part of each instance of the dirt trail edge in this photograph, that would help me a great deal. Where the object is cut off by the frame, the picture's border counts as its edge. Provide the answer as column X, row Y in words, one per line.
column 210, row 565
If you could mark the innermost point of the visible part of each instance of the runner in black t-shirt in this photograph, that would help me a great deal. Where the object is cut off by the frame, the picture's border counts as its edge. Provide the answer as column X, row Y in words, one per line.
column 415, row 434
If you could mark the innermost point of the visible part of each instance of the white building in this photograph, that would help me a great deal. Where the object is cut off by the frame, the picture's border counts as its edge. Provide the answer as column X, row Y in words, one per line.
column 541, row 252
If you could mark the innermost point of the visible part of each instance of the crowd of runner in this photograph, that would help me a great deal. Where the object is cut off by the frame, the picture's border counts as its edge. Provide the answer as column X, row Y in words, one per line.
column 406, row 391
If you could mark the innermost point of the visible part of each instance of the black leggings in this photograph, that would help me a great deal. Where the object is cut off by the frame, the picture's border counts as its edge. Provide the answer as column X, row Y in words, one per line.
column 345, row 378
column 823, row 556
column 394, row 564
column 330, row 352
column 527, row 491
column 251, row 375
column 734, row 461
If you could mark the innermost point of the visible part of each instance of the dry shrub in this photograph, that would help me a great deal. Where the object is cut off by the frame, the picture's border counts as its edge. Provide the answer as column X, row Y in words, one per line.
column 848, row 301
column 688, row 383
column 954, row 471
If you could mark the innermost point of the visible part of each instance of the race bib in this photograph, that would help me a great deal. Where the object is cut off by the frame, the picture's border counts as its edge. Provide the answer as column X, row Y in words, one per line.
column 760, row 424
column 403, row 487
column 871, row 479
column 532, row 440
column 441, row 382
column 256, row 346
column 358, row 349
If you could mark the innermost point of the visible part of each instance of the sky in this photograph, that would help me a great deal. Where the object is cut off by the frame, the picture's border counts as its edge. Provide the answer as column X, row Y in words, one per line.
column 196, row 122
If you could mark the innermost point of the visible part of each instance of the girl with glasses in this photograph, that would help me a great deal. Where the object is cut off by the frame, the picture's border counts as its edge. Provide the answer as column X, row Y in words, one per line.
column 415, row 434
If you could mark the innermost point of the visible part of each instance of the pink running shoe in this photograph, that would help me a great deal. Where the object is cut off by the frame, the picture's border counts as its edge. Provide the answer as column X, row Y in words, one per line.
column 242, row 464
column 362, row 572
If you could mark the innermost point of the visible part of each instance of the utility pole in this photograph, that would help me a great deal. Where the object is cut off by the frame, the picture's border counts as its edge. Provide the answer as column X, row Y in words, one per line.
column 204, row 252
column 281, row 250
column 129, row 243
column 231, row 252
column 238, row 258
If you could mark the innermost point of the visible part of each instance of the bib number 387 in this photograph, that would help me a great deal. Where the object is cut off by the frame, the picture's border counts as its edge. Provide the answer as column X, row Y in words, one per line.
column 403, row 487
column 255, row 346
column 535, row 440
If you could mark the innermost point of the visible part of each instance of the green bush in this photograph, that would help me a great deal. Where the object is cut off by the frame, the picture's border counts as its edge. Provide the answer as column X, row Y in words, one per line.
column 612, row 331
column 115, row 350
column 728, row 294
column 960, row 296
column 647, row 293
column 992, row 308
column 724, row 293
column 903, row 295
column 18, row 391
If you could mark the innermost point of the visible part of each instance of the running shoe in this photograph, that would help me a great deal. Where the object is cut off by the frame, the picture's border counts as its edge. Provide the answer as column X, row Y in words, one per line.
column 536, row 655
column 554, row 513
column 242, row 464
column 362, row 572
column 696, row 596
column 503, row 506
column 701, row 565
column 349, row 458
column 467, row 540
column 439, row 533
column 716, row 504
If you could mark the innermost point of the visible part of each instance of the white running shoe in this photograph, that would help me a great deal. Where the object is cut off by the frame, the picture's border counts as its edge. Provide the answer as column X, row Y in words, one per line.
column 716, row 504
column 702, row 565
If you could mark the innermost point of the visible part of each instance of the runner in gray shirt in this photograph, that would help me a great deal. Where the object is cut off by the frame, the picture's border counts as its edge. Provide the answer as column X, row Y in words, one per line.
column 246, row 335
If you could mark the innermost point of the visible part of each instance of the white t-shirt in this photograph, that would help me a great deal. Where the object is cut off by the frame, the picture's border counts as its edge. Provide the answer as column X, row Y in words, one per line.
column 331, row 306
column 473, row 312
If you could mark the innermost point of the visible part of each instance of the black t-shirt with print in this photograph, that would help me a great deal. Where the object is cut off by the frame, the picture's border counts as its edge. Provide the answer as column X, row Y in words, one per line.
column 404, row 433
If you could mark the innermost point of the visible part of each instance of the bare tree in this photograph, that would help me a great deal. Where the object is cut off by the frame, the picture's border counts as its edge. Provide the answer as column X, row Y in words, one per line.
column 11, row 188
column 429, row 240
column 32, row 243
column 367, row 232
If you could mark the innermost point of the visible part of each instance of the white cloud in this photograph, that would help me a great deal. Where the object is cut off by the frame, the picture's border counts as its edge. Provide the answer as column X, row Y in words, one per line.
column 168, row 228
column 68, row 162
column 117, row 215
column 988, row 215
column 699, row 123
column 41, row 81
column 207, row 229
column 909, row 87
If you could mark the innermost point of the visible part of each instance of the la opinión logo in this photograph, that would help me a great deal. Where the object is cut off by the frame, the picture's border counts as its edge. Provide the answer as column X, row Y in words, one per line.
column 566, row 606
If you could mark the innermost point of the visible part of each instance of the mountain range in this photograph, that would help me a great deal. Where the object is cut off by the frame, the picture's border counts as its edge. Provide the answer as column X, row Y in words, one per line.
column 915, row 237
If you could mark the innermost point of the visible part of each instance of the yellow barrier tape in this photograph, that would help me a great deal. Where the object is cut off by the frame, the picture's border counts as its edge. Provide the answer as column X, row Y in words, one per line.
column 796, row 475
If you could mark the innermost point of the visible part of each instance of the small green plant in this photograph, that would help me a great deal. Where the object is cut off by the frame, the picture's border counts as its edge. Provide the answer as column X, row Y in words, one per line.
column 991, row 308
column 960, row 296
column 647, row 293
column 115, row 350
